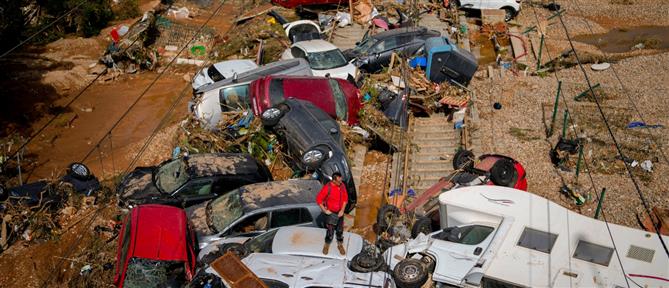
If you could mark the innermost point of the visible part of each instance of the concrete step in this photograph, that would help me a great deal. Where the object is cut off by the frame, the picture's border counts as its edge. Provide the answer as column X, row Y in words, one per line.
column 448, row 157
column 446, row 129
column 434, row 136
column 436, row 149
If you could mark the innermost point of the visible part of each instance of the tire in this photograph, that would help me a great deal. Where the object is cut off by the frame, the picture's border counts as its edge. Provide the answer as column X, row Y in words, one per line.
column 236, row 248
column 509, row 13
column 463, row 159
column 410, row 273
column 422, row 225
column 503, row 172
column 365, row 262
column 429, row 263
column 79, row 171
column 385, row 216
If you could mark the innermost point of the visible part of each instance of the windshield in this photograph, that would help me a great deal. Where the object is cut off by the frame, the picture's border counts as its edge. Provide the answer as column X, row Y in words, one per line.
column 468, row 235
column 153, row 273
column 326, row 59
column 224, row 210
column 171, row 175
column 365, row 45
column 261, row 243
column 214, row 74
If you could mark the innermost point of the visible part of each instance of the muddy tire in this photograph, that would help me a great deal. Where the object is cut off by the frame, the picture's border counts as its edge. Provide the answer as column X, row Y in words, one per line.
column 79, row 171
column 502, row 173
column 429, row 263
column 410, row 273
column 235, row 248
column 463, row 159
column 422, row 225
column 385, row 217
column 366, row 262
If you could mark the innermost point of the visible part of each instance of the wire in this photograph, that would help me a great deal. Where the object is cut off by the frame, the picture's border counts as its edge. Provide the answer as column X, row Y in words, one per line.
column 610, row 131
column 42, row 29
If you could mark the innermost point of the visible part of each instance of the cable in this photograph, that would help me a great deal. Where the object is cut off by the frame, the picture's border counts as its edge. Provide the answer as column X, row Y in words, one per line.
column 610, row 131
column 41, row 30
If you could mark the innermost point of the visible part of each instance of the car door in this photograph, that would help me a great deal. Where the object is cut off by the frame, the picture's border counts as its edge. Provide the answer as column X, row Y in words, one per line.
column 195, row 191
column 457, row 258
column 249, row 225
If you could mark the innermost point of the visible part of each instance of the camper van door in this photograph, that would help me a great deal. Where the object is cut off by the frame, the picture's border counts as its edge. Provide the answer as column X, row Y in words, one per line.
column 458, row 255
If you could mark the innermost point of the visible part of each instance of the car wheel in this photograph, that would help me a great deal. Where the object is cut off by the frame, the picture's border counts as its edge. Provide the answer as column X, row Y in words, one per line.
column 463, row 159
column 422, row 225
column 366, row 262
column 410, row 273
column 429, row 263
column 235, row 248
column 386, row 215
column 502, row 172
column 509, row 13
column 79, row 171
column 271, row 116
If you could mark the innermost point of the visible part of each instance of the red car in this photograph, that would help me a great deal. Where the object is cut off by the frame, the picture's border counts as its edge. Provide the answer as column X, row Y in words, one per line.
column 337, row 97
column 499, row 170
column 295, row 3
column 155, row 248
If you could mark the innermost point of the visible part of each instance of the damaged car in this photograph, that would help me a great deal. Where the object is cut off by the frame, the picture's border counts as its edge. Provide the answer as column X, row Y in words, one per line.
column 337, row 97
column 314, row 141
column 221, row 71
column 324, row 58
column 375, row 52
column 190, row 179
column 253, row 209
column 293, row 257
column 156, row 248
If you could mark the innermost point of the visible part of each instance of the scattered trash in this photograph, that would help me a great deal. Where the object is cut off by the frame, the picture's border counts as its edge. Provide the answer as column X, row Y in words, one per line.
column 647, row 166
column 343, row 19
column 600, row 66
column 497, row 105
column 560, row 153
column 639, row 46
column 86, row 269
column 640, row 124
column 181, row 13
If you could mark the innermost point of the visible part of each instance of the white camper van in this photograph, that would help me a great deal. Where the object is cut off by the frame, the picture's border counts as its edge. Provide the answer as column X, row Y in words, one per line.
column 496, row 236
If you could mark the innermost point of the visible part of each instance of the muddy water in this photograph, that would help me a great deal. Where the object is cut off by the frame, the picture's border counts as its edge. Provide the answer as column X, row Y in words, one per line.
column 622, row 40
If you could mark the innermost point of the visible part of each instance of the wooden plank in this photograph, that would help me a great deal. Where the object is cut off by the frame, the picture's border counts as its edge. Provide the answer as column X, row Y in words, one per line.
column 518, row 45
column 235, row 273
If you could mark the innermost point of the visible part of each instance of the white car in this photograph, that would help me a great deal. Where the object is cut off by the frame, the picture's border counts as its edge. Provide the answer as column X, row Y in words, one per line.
column 511, row 7
column 324, row 58
column 293, row 257
column 221, row 71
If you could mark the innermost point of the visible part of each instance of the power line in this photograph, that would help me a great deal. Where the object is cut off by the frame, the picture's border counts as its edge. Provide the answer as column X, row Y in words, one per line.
column 610, row 131
column 42, row 29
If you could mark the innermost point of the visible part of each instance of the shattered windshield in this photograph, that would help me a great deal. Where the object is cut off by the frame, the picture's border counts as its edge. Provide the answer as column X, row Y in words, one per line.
column 262, row 243
column 365, row 45
column 153, row 273
column 340, row 99
column 326, row 59
column 171, row 175
column 224, row 210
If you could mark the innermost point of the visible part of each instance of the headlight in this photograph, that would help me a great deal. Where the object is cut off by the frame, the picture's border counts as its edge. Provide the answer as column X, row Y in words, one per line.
column 312, row 156
column 271, row 113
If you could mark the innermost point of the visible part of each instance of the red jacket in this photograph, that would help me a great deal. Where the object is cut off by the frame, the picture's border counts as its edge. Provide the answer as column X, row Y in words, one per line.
column 337, row 198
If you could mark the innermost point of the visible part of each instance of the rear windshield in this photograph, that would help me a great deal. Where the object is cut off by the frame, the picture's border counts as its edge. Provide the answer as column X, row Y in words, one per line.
column 326, row 59
column 153, row 273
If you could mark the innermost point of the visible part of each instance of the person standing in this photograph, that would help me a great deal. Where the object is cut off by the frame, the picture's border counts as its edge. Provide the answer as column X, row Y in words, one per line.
column 332, row 199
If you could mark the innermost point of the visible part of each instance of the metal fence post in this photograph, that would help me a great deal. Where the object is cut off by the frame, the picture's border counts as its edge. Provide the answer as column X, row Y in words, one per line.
column 541, row 47
column 564, row 124
column 555, row 108
column 599, row 203
column 578, row 162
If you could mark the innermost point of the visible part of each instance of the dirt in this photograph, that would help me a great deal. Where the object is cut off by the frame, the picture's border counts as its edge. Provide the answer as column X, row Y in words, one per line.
column 370, row 194
column 624, row 39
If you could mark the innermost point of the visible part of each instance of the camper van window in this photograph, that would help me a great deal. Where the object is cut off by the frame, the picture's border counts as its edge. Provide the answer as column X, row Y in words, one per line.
column 494, row 283
column 537, row 240
column 468, row 235
column 594, row 253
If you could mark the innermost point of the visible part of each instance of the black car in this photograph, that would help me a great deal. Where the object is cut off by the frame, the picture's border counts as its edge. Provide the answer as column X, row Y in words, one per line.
column 191, row 179
column 313, row 139
column 375, row 51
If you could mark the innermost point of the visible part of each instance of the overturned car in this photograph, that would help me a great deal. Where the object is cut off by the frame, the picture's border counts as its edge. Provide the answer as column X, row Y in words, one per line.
column 191, row 179
column 314, row 140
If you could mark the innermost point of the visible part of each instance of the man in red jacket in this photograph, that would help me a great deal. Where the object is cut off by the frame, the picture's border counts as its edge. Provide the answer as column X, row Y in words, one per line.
column 332, row 199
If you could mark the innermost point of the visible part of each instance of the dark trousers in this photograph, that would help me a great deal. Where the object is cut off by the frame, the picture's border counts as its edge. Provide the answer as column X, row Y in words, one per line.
column 334, row 223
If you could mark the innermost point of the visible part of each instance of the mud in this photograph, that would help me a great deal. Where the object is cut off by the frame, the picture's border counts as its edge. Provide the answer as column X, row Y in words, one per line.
column 621, row 40
column 269, row 194
column 209, row 165
column 370, row 194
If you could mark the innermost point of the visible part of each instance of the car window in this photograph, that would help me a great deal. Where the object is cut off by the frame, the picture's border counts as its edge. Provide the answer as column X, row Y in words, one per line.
column 197, row 188
column 326, row 59
column 214, row 74
column 289, row 217
column 297, row 53
column 385, row 45
column 256, row 222
column 261, row 243
column 276, row 92
column 224, row 210
column 340, row 100
column 234, row 98
column 148, row 272
column 365, row 45
column 468, row 235
column 405, row 39
column 171, row 175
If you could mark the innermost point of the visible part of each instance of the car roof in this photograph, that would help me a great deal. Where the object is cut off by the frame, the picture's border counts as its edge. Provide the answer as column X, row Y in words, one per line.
column 308, row 241
column 237, row 64
column 159, row 232
column 399, row 31
column 215, row 164
column 317, row 45
column 276, row 193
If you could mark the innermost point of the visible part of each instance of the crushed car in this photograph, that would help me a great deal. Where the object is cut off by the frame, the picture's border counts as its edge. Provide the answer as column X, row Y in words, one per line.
column 191, row 179
column 324, row 58
column 253, row 209
column 314, row 141
column 209, row 101
column 337, row 97
column 292, row 257
column 510, row 7
column 221, row 71
column 156, row 248
column 375, row 52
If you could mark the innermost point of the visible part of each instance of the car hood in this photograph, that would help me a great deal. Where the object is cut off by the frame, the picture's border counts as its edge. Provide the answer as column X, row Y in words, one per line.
column 198, row 217
column 138, row 185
